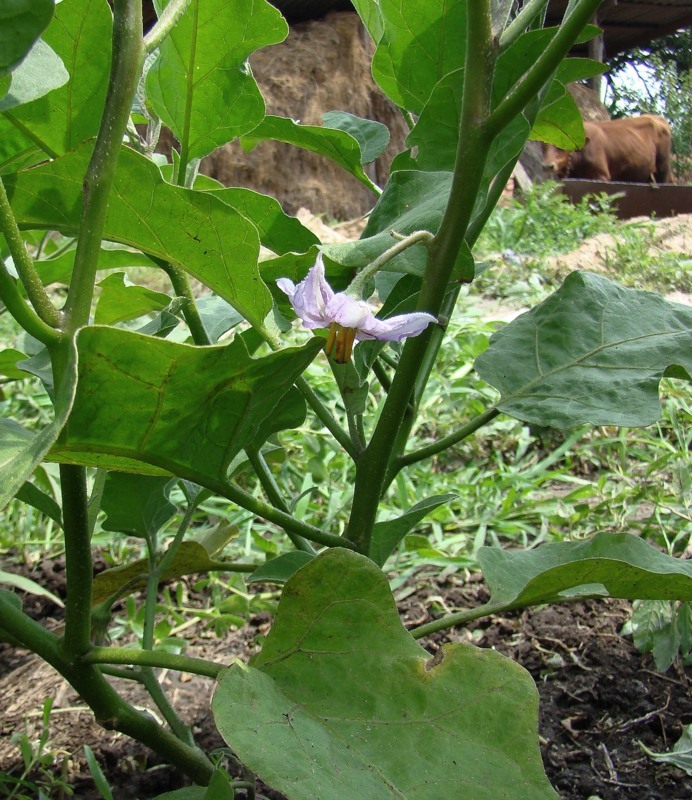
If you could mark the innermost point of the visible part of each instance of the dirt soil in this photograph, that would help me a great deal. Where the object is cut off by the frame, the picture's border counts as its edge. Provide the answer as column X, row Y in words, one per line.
column 599, row 696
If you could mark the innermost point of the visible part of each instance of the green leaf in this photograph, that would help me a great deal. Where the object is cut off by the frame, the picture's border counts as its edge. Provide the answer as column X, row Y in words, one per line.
column 594, row 352
column 191, row 558
column 417, row 44
column 59, row 269
column 681, row 754
column 40, row 72
column 280, row 569
column 365, row 712
column 278, row 231
column 80, row 34
column 21, row 23
column 620, row 564
column 386, row 535
column 13, row 599
column 373, row 137
column 9, row 359
column 335, row 144
column 192, row 230
column 146, row 402
column 559, row 121
column 27, row 585
column 21, row 451
column 289, row 414
column 200, row 85
column 120, row 300
column 137, row 505
column 33, row 496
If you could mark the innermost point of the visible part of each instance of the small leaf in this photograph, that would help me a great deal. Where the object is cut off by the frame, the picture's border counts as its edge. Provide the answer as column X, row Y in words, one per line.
column 333, row 143
column 280, row 569
column 594, row 352
column 40, row 72
column 467, row 718
column 681, row 754
column 9, row 358
column 559, row 121
column 373, row 137
column 190, row 558
column 27, row 585
column 21, row 23
column 387, row 535
column 625, row 565
column 33, row 496
column 120, row 300
column 136, row 505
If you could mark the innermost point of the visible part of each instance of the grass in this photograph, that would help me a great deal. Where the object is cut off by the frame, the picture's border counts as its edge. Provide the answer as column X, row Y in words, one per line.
column 515, row 485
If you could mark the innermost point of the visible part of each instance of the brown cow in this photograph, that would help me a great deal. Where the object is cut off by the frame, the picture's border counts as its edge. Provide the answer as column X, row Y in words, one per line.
column 634, row 150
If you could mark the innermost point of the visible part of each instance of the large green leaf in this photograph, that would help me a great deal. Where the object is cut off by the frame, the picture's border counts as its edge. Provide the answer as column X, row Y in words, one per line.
column 21, row 451
column 182, row 410
column 201, row 85
column 40, row 72
column 594, row 352
column 191, row 229
column 608, row 564
column 365, row 712
column 333, row 143
column 80, row 34
column 417, row 44
column 21, row 23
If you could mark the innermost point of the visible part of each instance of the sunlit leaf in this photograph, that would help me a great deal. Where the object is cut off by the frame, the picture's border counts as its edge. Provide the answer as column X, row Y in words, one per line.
column 40, row 72
column 201, row 85
column 339, row 680
column 183, row 410
column 593, row 352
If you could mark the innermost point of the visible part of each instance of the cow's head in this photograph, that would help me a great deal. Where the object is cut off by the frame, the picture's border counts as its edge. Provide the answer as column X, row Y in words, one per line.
column 556, row 161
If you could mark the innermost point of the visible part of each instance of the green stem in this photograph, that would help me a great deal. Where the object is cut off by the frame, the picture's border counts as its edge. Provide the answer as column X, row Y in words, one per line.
column 110, row 710
column 128, row 54
column 25, row 265
column 167, row 21
column 460, row 618
column 534, row 79
column 524, row 19
column 181, row 287
column 152, row 658
column 271, row 489
column 185, row 133
column 326, row 418
column 357, row 285
column 78, row 563
column 22, row 311
column 372, row 468
column 447, row 441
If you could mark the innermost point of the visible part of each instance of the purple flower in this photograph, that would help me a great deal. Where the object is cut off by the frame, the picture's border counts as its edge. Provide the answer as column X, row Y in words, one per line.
column 348, row 319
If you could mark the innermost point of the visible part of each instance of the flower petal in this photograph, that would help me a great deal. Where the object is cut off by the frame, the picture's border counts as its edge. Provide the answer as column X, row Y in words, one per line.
column 396, row 328
column 348, row 312
column 310, row 297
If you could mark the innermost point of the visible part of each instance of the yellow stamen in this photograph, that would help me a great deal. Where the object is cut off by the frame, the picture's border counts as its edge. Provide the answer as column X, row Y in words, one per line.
column 333, row 330
column 340, row 341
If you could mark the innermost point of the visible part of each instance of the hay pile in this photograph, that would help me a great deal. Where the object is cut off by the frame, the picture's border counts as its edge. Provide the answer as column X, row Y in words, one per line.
column 324, row 65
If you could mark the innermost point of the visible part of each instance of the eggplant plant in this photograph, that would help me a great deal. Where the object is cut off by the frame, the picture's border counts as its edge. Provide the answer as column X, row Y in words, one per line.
column 342, row 701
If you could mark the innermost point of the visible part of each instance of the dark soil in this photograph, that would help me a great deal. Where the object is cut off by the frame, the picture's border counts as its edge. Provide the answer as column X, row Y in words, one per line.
column 599, row 697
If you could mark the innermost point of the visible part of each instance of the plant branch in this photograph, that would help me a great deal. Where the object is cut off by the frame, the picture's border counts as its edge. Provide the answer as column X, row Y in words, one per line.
column 524, row 19
column 273, row 492
column 326, row 418
column 24, row 264
column 167, row 21
column 181, row 287
column 447, row 441
column 531, row 84
column 22, row 311
column 152, row 658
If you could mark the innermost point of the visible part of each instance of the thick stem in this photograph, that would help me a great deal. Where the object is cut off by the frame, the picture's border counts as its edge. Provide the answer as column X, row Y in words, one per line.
column 472, row 150
column 78, row 563
column 152, row 658
column 128, row 54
